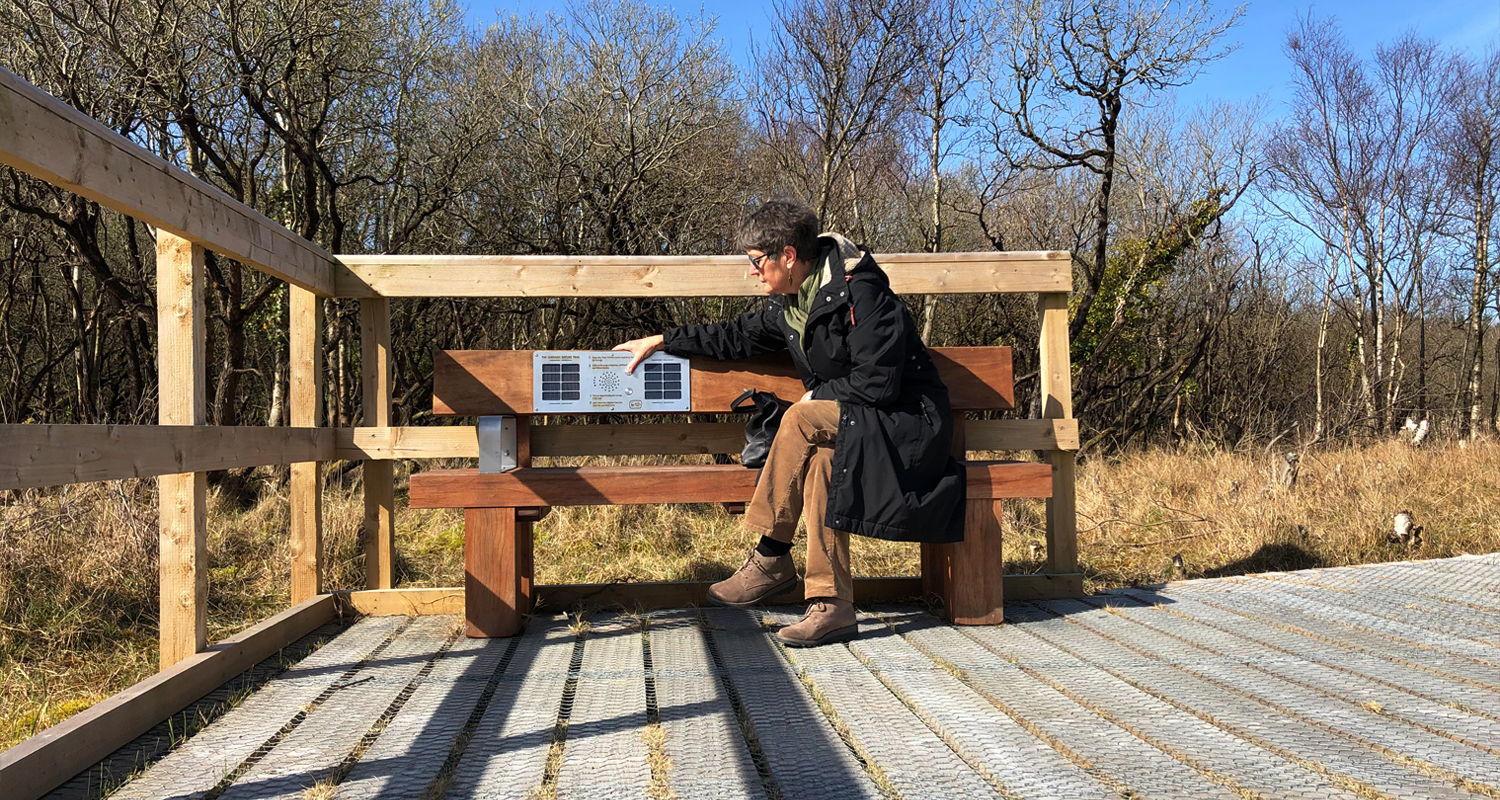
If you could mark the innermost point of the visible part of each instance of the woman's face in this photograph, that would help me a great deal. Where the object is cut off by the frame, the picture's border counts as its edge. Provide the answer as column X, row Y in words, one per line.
column 775, row 270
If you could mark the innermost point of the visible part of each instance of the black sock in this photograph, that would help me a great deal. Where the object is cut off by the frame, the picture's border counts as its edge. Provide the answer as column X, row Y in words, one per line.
column 771, row 548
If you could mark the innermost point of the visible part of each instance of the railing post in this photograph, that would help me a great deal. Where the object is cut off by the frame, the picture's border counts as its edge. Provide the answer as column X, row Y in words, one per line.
column 183, row 499
column 306, row 402
column 380, row 491
column 1057, row 403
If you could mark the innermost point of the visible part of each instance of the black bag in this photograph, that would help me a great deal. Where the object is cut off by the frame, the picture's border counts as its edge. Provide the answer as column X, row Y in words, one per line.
column 761, row 429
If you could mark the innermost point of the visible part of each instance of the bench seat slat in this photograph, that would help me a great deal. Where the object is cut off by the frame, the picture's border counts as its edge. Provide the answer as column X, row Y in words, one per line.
column 638, row 485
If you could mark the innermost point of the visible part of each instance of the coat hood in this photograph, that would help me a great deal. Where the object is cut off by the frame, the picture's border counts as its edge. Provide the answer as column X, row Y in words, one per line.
column 840, row 255
column 848, row 252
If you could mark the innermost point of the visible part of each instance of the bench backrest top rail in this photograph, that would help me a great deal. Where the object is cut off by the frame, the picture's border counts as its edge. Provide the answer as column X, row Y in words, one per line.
column 490, row 382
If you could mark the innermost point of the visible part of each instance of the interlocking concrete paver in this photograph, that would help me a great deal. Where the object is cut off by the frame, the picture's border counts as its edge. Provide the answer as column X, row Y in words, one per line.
column 506, row 756
column 195, row 768
column 333, row 730
column 991, row 743
column 803, row 753
column 604, row 755
column 404, row 760
column 1370, row 681
column 709, row 757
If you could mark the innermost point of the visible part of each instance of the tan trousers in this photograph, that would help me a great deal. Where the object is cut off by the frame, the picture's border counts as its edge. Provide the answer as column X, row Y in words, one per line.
column 794, row 483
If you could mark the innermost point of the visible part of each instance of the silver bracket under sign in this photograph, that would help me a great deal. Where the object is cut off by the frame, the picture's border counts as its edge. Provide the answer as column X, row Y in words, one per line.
column 497, row 444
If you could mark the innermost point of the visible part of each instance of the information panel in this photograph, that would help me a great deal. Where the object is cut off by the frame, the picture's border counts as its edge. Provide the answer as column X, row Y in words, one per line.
column 594, row 382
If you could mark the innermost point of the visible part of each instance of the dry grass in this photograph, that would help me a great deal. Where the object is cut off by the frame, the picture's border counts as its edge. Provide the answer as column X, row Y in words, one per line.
column 655, row 738
column 78, row 564
column 322, row 790
column 1224, row 515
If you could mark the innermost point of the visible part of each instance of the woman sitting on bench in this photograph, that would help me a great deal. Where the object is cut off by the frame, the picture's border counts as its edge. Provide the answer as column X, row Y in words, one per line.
column 865, row 450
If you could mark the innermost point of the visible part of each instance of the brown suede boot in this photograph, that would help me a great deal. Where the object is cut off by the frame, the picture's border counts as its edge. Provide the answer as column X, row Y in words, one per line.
column 828, row 620
column 760, row 578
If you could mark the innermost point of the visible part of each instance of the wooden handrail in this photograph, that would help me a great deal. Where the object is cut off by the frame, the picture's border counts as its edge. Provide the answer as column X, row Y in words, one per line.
column 49, row 139
column 679, row 276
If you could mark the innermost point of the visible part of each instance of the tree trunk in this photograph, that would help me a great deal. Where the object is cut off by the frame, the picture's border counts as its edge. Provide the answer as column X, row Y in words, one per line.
column 1477, row 304
column 277, row 412
column 1320, row 421
column 935, row 154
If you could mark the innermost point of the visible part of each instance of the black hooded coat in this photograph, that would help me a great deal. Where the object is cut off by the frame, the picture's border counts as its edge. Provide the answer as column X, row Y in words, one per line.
column 893, row 474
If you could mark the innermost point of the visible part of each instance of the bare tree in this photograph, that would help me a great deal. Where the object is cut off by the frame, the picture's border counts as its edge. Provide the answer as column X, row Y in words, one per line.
column 943, row 74
column 1068, row 71
column 1354, row 155
column 1468, row 146
column 834, row 83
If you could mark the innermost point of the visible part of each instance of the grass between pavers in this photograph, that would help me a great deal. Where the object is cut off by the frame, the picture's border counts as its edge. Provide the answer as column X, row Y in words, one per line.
column 78, row 595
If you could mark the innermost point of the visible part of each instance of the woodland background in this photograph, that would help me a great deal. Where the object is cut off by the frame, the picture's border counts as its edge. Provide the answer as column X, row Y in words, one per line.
column 1314, row 274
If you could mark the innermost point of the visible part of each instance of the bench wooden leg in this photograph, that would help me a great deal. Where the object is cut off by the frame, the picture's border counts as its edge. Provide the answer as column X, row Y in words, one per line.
column 970, row 575
column 497, row 571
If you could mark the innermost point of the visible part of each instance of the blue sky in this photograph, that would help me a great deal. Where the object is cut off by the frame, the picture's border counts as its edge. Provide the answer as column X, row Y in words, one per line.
column 1256, row 68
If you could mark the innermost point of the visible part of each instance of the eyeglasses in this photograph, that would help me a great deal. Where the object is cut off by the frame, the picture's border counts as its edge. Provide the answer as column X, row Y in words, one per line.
column 755, row 261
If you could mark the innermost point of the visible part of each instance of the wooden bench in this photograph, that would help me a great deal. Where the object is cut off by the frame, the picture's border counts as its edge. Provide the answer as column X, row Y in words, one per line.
column 500, row 508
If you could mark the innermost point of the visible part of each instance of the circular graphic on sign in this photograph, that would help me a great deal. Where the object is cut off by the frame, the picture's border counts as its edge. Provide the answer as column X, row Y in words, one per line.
column 607, row 382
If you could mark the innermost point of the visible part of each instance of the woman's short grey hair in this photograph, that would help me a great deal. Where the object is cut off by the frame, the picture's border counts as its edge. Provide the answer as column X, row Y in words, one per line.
column 778, row 223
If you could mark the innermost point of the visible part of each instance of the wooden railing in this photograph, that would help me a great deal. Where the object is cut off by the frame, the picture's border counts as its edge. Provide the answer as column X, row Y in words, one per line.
column 48, row 139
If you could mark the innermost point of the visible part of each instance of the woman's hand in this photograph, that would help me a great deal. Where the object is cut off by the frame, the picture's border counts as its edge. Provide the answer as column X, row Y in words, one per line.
column 639, row 349
column 806, row 397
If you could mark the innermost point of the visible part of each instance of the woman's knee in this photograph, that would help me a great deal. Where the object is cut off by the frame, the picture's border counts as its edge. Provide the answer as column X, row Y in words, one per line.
column 813, row 421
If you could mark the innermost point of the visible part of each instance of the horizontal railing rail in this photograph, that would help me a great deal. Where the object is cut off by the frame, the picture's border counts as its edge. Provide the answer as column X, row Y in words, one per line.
column 673, row 438
column 49, row 139
column 680, row 276
column 37, row 456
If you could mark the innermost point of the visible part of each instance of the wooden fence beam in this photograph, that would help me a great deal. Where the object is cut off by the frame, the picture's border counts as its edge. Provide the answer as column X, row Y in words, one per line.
column 678, row 276
column 183, row 497
column 47, row 138
column 379, row 480
column 306, row 401
column 446, row 441
column 40, row 764
column 1057, row 403
column 1021, row 434
column 671, row 438
column 53, row 455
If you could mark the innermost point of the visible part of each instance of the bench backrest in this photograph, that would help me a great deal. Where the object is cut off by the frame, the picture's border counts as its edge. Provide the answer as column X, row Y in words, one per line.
column 494, row 382
column 488, row 382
